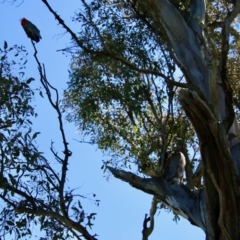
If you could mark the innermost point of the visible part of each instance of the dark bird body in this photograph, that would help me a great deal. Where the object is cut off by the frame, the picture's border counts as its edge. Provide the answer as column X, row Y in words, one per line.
column 31, row 30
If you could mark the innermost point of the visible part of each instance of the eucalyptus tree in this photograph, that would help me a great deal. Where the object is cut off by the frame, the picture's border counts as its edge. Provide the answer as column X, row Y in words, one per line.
column 155, row 85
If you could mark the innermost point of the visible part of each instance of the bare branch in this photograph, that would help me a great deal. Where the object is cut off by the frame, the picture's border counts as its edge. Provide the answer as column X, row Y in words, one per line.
column 109, row 54
column 146, row 232
column 177, row 197
column 67, row 154
column 68, row 222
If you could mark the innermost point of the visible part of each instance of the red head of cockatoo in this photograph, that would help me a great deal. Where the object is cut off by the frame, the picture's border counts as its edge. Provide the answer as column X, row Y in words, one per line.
column 31, row 30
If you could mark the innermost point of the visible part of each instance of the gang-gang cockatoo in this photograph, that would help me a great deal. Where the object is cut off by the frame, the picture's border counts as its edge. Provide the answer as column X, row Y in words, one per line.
column 31, row 30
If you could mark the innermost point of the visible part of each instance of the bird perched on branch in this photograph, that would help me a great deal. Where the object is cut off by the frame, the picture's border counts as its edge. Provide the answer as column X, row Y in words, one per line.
column 31, row 30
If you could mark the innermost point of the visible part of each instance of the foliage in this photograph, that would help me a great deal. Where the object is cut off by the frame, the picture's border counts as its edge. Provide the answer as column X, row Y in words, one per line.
column 126, row 100
column 33, row 192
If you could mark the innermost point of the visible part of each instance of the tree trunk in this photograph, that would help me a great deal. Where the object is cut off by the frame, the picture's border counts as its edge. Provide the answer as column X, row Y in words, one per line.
column 208, row 105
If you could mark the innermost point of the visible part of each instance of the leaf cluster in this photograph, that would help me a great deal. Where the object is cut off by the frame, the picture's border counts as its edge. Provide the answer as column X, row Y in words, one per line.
column 33, row 192
column 121, row 90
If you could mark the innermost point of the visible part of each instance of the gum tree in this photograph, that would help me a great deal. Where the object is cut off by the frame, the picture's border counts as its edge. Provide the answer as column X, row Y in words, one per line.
column 153, row 83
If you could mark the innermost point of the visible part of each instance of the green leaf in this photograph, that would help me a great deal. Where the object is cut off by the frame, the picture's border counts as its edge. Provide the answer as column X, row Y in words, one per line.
column 29, row 80
column 21, row 223
column 35, row 135
column 5, row 45
column 18, row 168
column 41, row 94
column 79, row 204
column 12, row 179
column 10, row 223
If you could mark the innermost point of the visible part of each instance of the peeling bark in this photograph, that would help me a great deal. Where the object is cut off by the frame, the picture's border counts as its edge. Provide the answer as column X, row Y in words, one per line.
column 185, row 44
column 197, row 14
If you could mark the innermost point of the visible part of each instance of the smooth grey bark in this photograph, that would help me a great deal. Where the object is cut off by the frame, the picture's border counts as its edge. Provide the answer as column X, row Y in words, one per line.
column 198, row 9
column 208, row 105
column 176, row 196
column 185, row 43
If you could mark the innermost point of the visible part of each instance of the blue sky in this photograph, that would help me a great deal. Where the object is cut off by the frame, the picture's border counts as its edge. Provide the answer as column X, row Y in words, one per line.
column 122, row 208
